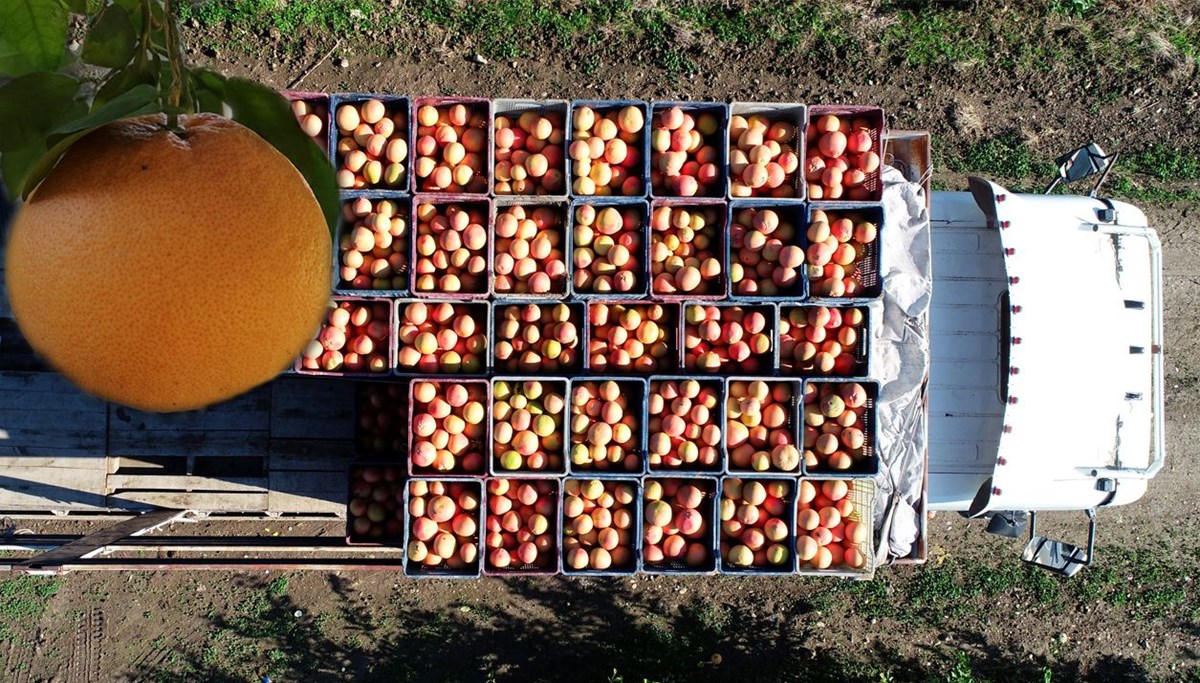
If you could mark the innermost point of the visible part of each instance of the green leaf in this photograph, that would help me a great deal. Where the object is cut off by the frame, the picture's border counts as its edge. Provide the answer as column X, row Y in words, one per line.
column 38, row 170
column 76, row 6
column 265, row 112
column 141, row 99
column 111, row 40
column 209, row 89
column 122, row 80
column 32, row 35
column 31, row 105
column 16, row 164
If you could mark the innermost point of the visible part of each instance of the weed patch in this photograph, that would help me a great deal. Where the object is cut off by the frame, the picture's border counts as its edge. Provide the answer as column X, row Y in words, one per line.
column 23, row 600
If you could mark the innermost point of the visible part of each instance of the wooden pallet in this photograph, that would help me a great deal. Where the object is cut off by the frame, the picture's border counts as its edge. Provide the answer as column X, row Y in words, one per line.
column 282, row 448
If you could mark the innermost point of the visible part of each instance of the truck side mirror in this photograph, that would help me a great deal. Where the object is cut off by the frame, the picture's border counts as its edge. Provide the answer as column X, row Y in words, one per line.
column 1083, row 162
column 1059, row 557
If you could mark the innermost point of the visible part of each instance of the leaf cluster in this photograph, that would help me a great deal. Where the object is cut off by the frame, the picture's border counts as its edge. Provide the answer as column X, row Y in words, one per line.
column 46, row 106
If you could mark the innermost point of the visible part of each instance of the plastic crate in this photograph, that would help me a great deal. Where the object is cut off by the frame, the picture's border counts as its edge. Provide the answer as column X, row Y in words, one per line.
column 868, row 466
column 874, row 115
column 720, row 140
column 405, row 210
column 635, row 508
column 472, row 104
column 393, row 401
column 398, row 107
column 578, row 316
column 513, row 108
column 643, row 274
column 480, row 311
column 396, row 540
column 503, row 203
column 320, row 103
column 482, row 446
column 559, row 383
column 708, row 508
column 642, row 146
column 443, row 570
column 789, row 518
column 637, row 390
column 869, row 268
column 770, row 360
column 790, row 112
column 793, row 415
column 792, row 211
column 672, row 321
column 863, row 497
column 478, row 203
column 716, row 288
column 391, row 341
column 555, row 531
column 862, row 349
column 716, row 417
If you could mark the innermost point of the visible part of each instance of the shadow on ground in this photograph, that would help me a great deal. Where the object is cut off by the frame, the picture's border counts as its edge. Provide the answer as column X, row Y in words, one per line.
column 556, row 629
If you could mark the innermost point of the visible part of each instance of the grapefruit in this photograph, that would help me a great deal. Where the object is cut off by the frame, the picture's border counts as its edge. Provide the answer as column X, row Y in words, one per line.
column 169, row 270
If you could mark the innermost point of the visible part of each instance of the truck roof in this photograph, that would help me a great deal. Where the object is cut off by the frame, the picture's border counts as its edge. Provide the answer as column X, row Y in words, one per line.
column 1043, row 351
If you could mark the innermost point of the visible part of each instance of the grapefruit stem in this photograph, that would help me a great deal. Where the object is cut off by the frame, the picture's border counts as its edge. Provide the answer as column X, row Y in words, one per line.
column 173, row 55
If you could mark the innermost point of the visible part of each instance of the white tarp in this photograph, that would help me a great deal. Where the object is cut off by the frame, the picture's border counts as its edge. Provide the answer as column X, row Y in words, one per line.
column 900, row 363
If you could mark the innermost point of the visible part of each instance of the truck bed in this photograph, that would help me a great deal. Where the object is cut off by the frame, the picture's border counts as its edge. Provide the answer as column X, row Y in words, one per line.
column 965, row 408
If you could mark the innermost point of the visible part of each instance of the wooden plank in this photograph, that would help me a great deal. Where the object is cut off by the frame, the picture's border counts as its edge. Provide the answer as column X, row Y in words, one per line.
column 248, row 444
column 55, row 488
column 303, row 454
column 183, row 500
column 246, row 412
column 94, row 543
column 235, row 428
column 41, row 391
column 123, row 482
column 45, row 499
column 312, row 408
column 68, row 442
column 323, row 492
column 280, row 501
column 95, row 462
column 44, row 414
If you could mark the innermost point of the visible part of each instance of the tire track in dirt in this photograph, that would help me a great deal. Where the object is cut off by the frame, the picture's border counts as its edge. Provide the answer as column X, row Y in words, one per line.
column 89, row 647
column 18, row 660
column 149, row 663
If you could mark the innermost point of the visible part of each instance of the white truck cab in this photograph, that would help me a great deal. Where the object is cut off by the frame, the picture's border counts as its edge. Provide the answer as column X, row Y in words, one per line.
column 1046, row 377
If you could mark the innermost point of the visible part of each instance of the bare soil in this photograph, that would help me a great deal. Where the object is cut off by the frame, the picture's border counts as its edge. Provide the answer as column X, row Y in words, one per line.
column 973, row 613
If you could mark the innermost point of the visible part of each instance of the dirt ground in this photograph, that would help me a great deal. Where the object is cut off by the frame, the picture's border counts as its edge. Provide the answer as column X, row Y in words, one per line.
column 973, row 613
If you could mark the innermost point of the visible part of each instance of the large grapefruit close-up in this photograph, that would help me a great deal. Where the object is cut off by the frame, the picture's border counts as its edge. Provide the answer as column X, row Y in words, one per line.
column 169, row 269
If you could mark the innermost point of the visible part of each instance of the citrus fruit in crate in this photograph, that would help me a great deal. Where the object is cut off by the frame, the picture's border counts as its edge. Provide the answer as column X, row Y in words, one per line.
column 169, row 269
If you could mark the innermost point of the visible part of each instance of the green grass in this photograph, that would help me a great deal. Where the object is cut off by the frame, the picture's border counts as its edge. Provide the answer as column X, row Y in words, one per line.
column 337, row 16
column 1153, row 588
column 1151, row 175
column 930, row 37
column 1004, row 156
column 23, row 600
column 939, row 594
column 676, row 36
column 1165, row 162
column 1073, row 8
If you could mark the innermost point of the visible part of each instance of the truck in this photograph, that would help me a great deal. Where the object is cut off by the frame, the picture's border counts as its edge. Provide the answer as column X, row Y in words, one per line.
column 1035, row 377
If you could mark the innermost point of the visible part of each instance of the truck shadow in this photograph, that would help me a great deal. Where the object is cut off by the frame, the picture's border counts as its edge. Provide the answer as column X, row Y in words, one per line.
column 605, row 630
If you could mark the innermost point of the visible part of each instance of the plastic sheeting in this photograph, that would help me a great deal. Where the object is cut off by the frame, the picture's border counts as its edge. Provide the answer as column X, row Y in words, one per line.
column 900, row 363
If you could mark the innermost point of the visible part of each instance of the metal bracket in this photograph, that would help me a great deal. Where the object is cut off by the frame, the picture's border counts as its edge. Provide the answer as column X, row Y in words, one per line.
column 1083, row 162
column 1058, row 557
